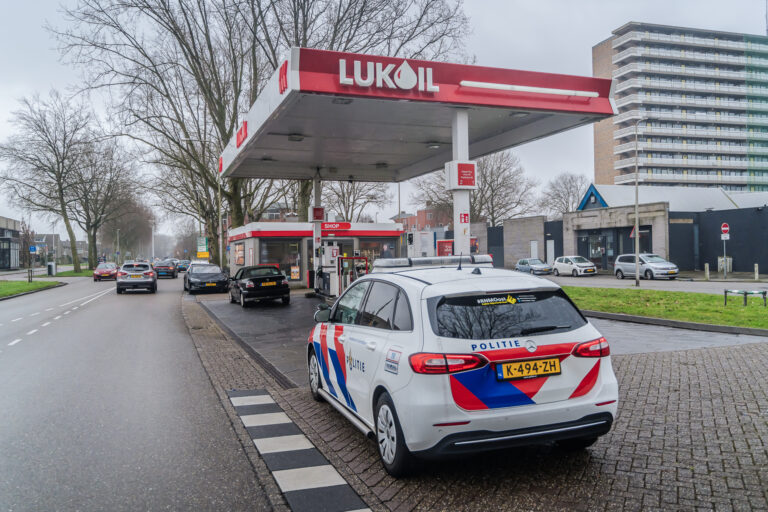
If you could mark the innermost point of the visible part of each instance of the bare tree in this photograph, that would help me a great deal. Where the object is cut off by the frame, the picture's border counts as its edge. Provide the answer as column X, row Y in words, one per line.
column 134, row 219
column 43, row 157
column 563, row 193
column 101, row 191
column 351, row 198
column 503, row 190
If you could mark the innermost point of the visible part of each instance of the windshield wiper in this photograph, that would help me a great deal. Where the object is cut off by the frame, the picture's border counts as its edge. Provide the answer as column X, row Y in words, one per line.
column 542, row 328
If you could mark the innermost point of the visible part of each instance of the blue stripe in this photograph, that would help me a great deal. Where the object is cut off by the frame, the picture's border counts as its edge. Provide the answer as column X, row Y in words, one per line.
column 483, row 384
column 334, row 357
column 324, row 367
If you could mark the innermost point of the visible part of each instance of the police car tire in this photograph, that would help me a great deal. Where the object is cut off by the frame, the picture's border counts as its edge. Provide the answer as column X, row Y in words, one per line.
column 403, row 461
column 314, row 385
column 572, row 445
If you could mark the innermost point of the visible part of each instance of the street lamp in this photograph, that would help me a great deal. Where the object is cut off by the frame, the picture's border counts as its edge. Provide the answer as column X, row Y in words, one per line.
column 118, row 246
column 637, row 211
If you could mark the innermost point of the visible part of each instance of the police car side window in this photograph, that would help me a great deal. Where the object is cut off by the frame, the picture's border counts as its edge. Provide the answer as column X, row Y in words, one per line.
column 379, row 307
column 349, row 304
column 402, row 320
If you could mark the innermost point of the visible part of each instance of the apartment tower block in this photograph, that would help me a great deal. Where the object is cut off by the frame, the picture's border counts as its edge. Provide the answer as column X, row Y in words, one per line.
column 697, row 101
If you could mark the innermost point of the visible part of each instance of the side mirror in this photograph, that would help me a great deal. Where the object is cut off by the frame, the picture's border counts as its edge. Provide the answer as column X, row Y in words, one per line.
column 323, row 315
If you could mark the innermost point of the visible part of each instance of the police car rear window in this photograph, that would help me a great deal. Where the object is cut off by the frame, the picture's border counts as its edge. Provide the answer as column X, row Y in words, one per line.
column 503, row 315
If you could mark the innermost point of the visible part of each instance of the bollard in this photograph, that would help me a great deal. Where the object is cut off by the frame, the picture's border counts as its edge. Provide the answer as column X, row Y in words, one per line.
column 706, row 271
column 757, row 274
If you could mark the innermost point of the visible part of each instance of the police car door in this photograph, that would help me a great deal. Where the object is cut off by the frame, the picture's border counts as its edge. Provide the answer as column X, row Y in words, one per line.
column 367, row 345
column 333, row 339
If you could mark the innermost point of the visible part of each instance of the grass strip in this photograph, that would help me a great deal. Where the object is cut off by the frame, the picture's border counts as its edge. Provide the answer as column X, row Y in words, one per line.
column 72, row 273
column 684, row 306
column 13, row 287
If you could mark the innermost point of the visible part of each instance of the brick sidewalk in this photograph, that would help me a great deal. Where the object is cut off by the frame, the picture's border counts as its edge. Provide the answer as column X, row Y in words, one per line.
column 692, row 434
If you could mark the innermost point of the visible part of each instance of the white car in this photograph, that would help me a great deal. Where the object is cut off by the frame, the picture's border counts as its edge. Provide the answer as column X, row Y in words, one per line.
column 438, row 361
column 574, row 266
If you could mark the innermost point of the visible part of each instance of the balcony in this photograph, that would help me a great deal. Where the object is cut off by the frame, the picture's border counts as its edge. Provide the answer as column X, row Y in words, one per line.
column 691, row 133
column 690, row 163
column 661, row 53
column 690, row 148
column 679, row 85
column 691, row 117
column 660, row 99
column 688, row 40
column 641, row 67
column 642, row 177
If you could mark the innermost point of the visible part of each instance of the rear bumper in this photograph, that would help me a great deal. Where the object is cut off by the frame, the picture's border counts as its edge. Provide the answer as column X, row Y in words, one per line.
column 593, row 425
column 266, row 293
column 165, row 273
column 133, row 285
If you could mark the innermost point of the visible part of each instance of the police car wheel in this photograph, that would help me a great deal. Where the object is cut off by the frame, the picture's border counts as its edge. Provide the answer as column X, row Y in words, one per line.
column 314, row 377
column 395, row 456
column 572, row 445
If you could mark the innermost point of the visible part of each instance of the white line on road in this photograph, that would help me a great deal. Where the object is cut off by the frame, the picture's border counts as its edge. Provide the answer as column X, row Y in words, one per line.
column 33, row 314
column 46, row 324
column 57, row 317
column 33, row 331
column 75, row 307
column 49, row 309
column 96, row 297
column 14, row 342
column 81, row 298
column 67, row 312
column 16, row 319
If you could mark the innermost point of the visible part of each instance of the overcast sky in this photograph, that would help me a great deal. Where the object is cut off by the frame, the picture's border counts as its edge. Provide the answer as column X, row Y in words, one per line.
column 553, row 36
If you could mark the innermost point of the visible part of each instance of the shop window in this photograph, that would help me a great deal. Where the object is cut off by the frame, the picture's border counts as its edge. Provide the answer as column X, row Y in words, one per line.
column 374, row 248
column 240, row 254
column 283, row 253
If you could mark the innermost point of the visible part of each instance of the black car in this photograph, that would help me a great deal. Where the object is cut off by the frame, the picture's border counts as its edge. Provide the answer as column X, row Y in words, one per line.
column 259, row 283
column 167, row 268
column 204, row 276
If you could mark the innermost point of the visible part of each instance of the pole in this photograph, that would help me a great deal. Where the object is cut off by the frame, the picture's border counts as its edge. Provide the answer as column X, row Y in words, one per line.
column 153, row 241
column 118, row 247
column 221, row 229
column 637, row 213
column 461, row 198
column 725, row 263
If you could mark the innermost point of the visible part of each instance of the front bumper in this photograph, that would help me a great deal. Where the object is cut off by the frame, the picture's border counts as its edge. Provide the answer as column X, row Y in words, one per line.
column 220, row 286
column 665, row 273
column 587, row 271
column 592, row 425
column 542, row 271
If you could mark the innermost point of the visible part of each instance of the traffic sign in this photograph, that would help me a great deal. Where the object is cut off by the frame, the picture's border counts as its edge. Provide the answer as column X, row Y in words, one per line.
column 32, row 249
column 725, row 236
column 725, row 228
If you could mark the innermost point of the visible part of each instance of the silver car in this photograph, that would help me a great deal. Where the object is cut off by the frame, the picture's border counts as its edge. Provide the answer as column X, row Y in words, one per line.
column 533, row 266
column 136, row 276
column 652, row 266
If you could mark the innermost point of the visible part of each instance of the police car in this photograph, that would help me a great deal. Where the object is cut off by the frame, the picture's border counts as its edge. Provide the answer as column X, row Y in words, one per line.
column 431, row 358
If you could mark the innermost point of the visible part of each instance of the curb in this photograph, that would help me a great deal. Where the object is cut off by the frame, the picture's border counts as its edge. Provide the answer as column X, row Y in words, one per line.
column 33, row 291
column 679, row 324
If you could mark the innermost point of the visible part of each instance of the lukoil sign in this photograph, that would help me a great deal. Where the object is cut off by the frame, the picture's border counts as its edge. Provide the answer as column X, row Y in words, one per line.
column 378, row 75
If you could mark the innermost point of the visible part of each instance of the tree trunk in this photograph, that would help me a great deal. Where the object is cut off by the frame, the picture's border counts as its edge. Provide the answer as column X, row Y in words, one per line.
column 92, row 259
column 72, row 242
column 236, row 204
column 213, row 241
column 305, row 199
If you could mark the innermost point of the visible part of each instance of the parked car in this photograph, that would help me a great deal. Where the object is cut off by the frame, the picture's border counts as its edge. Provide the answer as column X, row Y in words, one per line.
column 204, row 276
column 167, row 268
column 259, row 283
column 182, row 265
column 137, row 275
column 533, row 266
column 434, row 362
column 105, row 271
column 574, row 265
column 652, row 266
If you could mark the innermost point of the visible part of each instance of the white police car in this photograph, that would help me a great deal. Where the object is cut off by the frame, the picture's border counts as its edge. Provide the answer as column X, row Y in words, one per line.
column 432, row 358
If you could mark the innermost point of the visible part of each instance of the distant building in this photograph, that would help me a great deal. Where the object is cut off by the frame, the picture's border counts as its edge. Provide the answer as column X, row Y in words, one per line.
column 279, row 212
column 10, row 243
column 82, row 249
column 424, row 219
column 52, row 243
column 699, row 101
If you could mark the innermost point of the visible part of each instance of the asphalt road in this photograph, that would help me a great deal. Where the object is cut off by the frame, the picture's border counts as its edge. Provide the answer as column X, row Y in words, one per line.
column 676, row 285
column 106, row 406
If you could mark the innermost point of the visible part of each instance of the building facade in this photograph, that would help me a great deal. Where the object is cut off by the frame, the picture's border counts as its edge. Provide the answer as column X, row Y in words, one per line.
column 698, row 102
column 10, row 243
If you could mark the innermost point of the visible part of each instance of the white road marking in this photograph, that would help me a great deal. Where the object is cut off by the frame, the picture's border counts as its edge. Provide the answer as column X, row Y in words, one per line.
column 74, row 308
column 49, row 309
column 67, row 312
column 96, row 297
column 272, row 418
column 81, row 298
column 307, row 478
column 46, row 324
column 14, row 342
column 33, row 331
column 34, row 314
column 16, row 319
column 57, row 317
column 282, row 444
column 238, row 401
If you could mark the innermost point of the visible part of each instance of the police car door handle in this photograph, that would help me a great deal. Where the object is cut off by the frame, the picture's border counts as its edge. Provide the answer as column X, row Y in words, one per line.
column 370, row 345
column 342, row 338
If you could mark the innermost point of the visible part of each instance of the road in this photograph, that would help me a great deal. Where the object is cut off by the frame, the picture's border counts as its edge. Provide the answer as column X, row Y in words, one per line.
column 106, row 406
column 677, row 285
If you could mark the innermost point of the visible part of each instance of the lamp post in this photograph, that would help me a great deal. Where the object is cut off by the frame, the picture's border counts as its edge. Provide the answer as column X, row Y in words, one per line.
column 118, row 246
column 637, row 211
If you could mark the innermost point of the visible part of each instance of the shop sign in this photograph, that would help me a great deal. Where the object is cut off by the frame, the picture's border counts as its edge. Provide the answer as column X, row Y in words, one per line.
column 242, row 134
column 378, row 75
column 332, row 226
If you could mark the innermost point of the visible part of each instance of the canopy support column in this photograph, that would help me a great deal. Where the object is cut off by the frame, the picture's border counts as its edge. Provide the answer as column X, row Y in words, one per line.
column 316, row 228
column 460, row 141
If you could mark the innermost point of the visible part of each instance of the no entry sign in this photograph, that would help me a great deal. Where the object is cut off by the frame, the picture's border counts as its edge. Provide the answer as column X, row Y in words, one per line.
column 725, row 228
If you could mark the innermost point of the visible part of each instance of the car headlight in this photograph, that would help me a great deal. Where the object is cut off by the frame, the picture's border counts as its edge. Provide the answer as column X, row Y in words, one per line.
column 194, row 280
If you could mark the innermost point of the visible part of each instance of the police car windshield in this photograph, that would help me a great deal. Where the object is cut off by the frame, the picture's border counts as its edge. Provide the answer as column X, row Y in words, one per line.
column 507, row 315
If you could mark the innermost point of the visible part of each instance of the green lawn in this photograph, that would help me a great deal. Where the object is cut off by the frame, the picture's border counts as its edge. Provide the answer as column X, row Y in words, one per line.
column 72, row 273
column 13, row 287
column 688, row 307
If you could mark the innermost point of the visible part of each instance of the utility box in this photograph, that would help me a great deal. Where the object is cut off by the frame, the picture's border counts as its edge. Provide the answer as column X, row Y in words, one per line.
column 51, row 268
column 729, row 262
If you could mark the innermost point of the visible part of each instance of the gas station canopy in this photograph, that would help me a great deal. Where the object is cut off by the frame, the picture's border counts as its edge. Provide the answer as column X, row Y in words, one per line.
column 343, row 116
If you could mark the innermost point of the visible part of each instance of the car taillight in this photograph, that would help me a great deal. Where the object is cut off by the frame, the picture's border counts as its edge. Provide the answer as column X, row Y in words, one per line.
column 121, row 273
column 249, row 284
column 594, row 348
column 446, row 363
column 149, row 274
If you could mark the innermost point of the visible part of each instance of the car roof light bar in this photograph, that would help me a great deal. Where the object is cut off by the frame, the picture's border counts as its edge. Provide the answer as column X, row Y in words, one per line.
column 433, row 261
column 527, row 88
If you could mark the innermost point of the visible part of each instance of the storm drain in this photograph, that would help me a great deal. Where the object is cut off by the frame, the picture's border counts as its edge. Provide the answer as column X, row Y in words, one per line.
column 306, row 478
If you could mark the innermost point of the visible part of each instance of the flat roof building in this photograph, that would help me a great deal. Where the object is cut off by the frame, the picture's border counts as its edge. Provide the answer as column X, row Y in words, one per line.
column 699, row 101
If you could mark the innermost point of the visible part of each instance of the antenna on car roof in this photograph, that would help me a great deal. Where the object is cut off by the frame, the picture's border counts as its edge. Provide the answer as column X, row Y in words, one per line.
column 460, row 255
column 476, row 271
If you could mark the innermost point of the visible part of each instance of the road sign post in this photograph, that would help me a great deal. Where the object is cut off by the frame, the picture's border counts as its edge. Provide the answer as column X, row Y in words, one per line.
column 725, row 234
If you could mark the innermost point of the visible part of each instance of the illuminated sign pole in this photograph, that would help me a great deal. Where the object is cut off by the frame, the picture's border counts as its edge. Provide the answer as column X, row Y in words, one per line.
column 460, row 175
column 316, row 216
